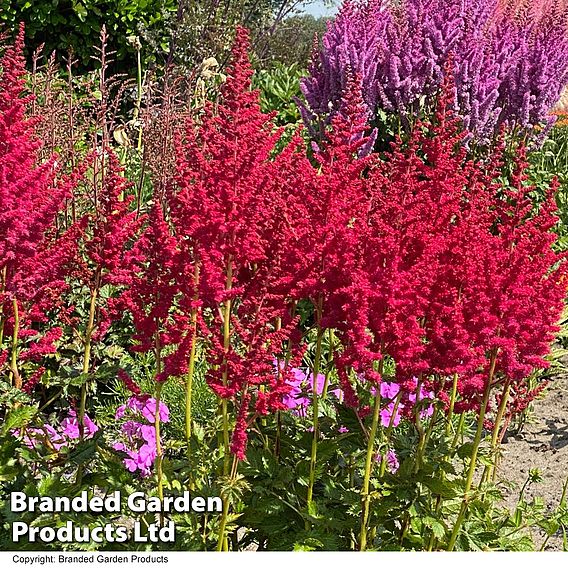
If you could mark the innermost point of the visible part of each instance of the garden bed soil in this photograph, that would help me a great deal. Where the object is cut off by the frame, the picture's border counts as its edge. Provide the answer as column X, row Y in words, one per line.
column 542, row 444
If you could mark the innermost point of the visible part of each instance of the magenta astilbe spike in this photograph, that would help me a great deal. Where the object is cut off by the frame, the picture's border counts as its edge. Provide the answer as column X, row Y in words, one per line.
column 33, row 255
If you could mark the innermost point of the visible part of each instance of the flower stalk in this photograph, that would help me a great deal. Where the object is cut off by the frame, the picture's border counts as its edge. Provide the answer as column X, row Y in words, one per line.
column 489, row 471
column 86, row 361
column 226, row 347
column 315, row 402
column 15, row 378
column 365, row 495
column 191, row 366
column 474, row 452
column 222, row 543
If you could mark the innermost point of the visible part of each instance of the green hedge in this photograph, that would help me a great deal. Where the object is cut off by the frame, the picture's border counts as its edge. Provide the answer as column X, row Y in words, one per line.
column 76, row 24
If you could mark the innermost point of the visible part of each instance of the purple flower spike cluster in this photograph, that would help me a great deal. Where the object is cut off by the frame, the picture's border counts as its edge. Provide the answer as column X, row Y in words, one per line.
column 68, row 430
column 138, row 439
column 299, row 398
column 509, row 66
column 352, row 39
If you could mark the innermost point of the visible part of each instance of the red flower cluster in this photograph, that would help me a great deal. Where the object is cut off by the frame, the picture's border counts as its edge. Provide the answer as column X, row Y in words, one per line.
column 32, row 255
column 421, row 255
column 156, row 275
column 460, row 273
column 229, row 207
column 103, row 236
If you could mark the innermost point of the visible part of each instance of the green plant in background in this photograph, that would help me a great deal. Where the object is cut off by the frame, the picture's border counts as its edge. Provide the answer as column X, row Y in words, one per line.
column 292, row 42
column 278, row 86
column 548, row 162
column 63, row 25
column 200, row 29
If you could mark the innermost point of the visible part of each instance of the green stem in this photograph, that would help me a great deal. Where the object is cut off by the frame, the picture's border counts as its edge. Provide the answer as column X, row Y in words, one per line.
column 562, row 503
column 419, row 428
column 14, row 373
column 191, row 373
column 191, row 367
column 331, row 336
column 86, row 363
column 433, row 542
column 489, row 470
column 459, row 431
column 189, row 386
column 139, row 94
column 226, row 347
column 222, row 542
column 431, row 425
column 2, row 319
column 474, row 452
column 390, row 427
column 365, row 497
column 315, row 402
column 159, row 450
column 157, row 423
column 50, row 400
column 452, row 405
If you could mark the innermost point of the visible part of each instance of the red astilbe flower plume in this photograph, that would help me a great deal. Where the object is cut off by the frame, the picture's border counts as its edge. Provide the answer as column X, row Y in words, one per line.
column 229, row 211
column 112, row 225
column 327, row 232
column 461, row 268
column 128, row 382
column 225, row 175
column 529, row 279
column 416, row 194
column 500, row 286
column 32, row 254
column 157, row 272
column 106, row 236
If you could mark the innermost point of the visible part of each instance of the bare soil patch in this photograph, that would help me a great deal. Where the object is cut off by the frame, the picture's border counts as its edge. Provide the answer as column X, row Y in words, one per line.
column 542, row 444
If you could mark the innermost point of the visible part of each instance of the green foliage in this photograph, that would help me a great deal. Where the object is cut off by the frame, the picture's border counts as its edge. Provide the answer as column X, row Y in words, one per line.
column 76, row 24
column 548, row 162
column 278, row 88
column 204, row 28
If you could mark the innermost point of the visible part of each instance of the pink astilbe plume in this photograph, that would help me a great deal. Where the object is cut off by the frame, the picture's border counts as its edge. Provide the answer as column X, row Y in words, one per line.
column 32, row 253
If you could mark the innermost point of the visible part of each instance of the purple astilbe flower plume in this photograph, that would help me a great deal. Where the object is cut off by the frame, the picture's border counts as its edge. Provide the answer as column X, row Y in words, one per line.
column 352, row 46
column 509, row 64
